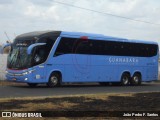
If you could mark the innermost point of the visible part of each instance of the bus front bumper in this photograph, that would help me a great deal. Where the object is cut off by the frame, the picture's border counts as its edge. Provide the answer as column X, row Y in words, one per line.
column 23, row 77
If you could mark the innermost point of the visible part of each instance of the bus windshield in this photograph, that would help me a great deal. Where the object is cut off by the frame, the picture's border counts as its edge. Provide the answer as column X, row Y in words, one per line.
column 18, row 57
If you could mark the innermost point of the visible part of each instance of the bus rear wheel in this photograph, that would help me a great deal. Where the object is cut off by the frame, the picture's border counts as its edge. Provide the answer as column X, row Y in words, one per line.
column 54, row 80
column 125, row 79
column 136, row 79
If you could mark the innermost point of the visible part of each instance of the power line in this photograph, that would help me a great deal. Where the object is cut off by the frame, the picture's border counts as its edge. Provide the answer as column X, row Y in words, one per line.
column 105, row 13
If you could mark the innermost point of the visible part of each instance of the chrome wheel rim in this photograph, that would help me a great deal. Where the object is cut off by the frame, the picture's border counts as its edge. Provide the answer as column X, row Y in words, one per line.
column 136, row 79
column 54, row 80
column 125, row 80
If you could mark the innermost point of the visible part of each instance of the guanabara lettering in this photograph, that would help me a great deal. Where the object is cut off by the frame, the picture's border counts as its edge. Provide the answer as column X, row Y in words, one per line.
column 123, row 60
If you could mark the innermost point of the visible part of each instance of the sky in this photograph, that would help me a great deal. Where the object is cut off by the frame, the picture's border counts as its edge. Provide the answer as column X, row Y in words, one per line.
column 21, row 16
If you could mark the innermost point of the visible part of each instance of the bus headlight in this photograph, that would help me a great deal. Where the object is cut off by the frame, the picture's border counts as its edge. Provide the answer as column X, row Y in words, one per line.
column 28, row 72
column 25, row 73
column 31, row 71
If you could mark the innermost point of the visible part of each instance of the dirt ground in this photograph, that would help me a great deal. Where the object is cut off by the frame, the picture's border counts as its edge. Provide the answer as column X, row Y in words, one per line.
column 86, row 105
column 96, row 106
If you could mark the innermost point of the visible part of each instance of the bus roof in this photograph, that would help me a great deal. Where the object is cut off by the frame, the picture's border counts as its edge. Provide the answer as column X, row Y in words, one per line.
column 38, row 34
column 80, row 34
column 103, row 37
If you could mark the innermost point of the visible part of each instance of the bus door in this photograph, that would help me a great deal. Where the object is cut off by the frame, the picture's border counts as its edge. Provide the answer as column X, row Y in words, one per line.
column 40, row 55
column 39, row 65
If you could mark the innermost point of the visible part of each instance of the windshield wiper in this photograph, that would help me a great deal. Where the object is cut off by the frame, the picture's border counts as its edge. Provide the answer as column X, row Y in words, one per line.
column 12, row 60
column 19, row 58
column 16, row 59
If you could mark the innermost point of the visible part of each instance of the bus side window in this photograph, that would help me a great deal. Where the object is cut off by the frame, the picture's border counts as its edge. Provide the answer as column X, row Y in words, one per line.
column 83, row 47
column 38, row 55
column 65, row 46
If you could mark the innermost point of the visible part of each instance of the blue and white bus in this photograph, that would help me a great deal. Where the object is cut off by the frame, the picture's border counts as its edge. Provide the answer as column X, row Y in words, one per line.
column 57, row 57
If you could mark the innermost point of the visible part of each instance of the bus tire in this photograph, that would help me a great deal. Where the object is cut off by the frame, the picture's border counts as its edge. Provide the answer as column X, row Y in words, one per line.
column 54, row 80
column 136, row 79
column 125, row 79
column 32, row 84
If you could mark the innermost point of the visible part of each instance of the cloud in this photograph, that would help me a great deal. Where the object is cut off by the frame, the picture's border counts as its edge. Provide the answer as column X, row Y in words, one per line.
column 42, row 3
column 21, row 16
column 4, row 2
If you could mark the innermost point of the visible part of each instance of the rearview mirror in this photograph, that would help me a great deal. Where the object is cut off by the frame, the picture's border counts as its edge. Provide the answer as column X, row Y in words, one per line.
column 30, row 48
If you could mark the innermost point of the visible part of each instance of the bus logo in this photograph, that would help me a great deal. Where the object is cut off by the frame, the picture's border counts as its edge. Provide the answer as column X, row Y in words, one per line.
column 123, row 60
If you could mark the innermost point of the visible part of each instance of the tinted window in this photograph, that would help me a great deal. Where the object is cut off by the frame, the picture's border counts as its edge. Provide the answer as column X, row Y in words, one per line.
column 82, row 47
column 65, row 46
column 40, row 53
column 100, row 47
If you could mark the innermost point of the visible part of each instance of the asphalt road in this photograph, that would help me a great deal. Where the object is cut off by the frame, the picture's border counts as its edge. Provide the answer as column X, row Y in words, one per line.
column 25, row 91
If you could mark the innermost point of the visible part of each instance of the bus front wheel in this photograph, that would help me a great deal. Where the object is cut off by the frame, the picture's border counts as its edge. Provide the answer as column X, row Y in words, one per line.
column 54, row 80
